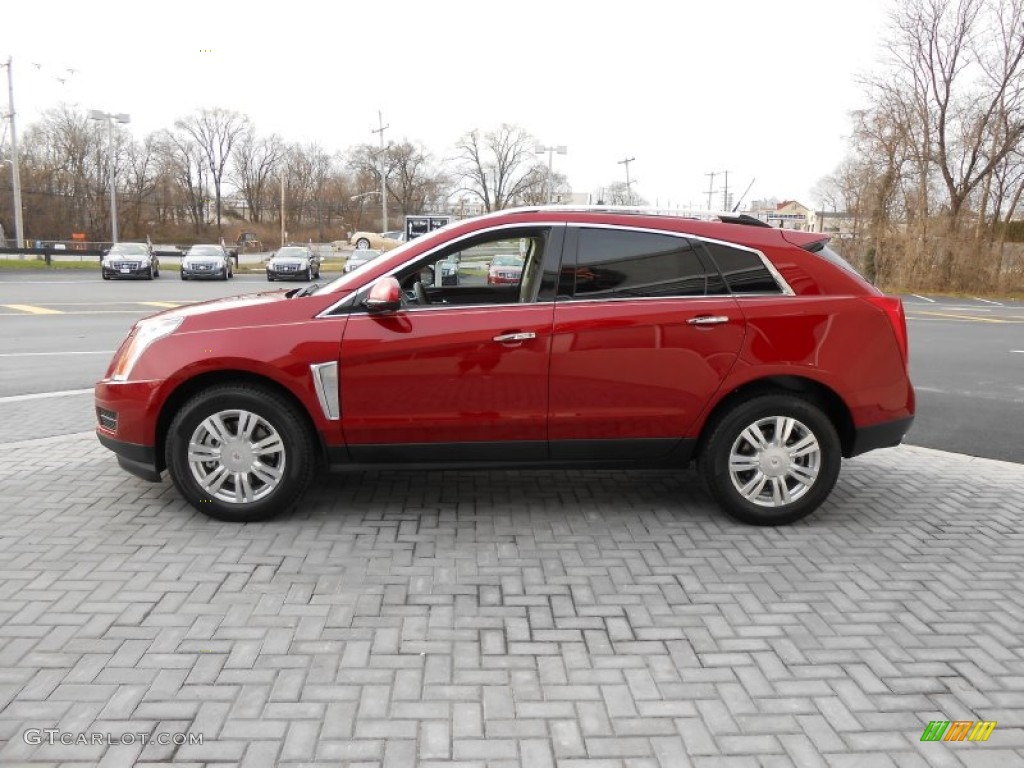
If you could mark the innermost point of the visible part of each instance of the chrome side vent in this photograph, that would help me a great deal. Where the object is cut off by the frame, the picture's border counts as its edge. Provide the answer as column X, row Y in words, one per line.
column 325, row 380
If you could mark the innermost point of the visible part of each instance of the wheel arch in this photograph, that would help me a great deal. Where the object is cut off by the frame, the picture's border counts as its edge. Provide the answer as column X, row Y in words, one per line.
column 190, row 387
column 820, row 394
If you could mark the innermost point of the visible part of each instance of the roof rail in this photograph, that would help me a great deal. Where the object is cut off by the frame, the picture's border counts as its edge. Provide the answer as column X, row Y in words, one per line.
column 728, row 217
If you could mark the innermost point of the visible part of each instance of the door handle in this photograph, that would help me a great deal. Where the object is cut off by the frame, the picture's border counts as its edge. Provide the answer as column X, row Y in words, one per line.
column 708, row 320
column 505, row 338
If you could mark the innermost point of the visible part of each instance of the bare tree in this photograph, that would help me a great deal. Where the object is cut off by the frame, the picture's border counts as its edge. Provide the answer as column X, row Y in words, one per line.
column 498, row 167
column 184, row 160
column 256, row 161
column 215, row 133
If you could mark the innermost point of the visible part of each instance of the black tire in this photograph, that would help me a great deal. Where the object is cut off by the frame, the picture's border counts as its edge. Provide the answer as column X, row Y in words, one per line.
column 725, row 432
column 106, row 277
column 309, row 274
column 225, row 275
column 156, row 273
column 149, row 275
column 300, row 458
column 362, row 242
column 182, row 276
column 269, row 278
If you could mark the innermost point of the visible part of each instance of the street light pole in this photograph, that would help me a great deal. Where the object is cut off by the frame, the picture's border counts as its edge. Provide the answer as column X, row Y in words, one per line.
column 560, row 149
column 19, row 227
column 383, row 184
column 124, row 119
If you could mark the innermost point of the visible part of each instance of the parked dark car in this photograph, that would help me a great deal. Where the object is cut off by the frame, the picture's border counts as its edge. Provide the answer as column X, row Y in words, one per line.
column 207, row 262
column 629, row 340
column 130, row 260
column 294, row 262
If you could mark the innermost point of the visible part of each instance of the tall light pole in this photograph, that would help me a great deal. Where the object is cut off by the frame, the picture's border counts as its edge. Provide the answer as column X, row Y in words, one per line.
column 19, row 227
column 124, row 119
column 629, row 188
column 284, row 233
column 561, row 149
column 383, row 184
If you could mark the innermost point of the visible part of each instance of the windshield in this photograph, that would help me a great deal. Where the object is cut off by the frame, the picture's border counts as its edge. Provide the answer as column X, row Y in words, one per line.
column 290, row 253
column 507, row 261
column 127, row 249
column 204, row 250
column 354, row 279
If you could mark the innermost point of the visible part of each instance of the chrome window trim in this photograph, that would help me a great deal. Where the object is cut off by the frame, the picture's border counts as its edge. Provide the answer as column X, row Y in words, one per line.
column 780, row 281
column 325, row 380
column 784, row 287
column 520, row 225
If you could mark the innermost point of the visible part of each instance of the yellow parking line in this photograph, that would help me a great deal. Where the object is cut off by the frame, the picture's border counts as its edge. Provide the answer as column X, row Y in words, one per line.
column 33, row 310
column 971, row 318
column 159, row 303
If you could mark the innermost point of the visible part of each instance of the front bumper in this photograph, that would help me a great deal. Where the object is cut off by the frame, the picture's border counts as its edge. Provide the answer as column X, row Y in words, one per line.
column 118, row 272
column 287, row 274
column 140, row 460
column 214, row 273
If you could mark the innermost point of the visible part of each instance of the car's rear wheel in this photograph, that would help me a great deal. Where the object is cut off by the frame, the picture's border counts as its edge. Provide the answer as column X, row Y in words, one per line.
column 771, row 460
column 362, row 242
column 240, row 453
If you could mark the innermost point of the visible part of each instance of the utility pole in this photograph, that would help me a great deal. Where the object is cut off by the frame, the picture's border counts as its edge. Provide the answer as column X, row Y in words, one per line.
column 383, row 185
column 629, row 188
column 725, row 194
column 711, row 186
column 19, row 228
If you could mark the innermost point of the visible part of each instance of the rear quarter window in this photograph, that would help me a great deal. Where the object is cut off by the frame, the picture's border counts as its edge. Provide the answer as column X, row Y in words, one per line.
column 744, row 272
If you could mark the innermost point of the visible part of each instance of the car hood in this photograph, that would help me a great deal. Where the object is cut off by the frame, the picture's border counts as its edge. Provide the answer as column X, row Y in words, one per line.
column 254, row 309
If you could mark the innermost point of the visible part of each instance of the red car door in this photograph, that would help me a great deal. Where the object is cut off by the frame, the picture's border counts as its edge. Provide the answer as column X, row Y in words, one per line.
column 639, row 347
column 453, row 382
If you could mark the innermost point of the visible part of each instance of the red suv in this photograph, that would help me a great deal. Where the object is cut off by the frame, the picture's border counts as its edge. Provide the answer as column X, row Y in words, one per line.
column 629, row 339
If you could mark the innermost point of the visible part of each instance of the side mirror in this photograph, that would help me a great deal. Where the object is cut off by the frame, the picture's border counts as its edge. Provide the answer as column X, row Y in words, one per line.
column 385, row 296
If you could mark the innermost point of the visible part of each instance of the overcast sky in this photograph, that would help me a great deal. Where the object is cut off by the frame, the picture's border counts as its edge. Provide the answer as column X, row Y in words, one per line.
column 763, row 90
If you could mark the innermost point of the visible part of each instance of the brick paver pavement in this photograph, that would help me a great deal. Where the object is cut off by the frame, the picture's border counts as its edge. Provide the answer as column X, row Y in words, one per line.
column 578, row 619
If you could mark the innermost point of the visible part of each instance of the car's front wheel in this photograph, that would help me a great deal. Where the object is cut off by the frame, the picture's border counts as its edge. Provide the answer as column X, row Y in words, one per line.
column 771, row 460
column 240, row 453
column 362, row 242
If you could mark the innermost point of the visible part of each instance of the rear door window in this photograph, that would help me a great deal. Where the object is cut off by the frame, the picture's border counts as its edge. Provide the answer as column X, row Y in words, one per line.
column 622, row 263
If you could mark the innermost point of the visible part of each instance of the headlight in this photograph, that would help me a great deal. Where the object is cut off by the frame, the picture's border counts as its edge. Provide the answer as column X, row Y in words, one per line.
column 107, row 263
column 144, row 334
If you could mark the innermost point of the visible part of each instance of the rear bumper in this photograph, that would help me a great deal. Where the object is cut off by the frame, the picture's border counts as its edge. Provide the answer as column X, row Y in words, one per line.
column 884, row 435
column 140, row 460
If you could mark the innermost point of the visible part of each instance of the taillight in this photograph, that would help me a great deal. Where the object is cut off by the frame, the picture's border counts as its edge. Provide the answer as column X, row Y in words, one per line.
column 893, row 307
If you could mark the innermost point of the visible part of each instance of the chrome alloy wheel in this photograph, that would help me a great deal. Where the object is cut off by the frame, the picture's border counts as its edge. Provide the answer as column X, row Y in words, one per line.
column 236, row 456
column 774, row 461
